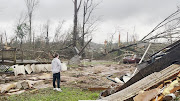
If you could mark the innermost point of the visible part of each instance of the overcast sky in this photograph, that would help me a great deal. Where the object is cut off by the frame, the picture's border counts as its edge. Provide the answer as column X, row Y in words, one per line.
column 132, row 16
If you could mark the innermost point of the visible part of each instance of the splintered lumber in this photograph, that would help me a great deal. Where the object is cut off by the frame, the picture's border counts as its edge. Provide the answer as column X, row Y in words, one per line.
column 33, row 84
column 2, row 81
column 144, row 84
column 163, row 96
column 18, row 92
column 170, row 87
column 13, row 90
column 22, row 85
column 147, row 95
column 159, row 98
column 7, row 87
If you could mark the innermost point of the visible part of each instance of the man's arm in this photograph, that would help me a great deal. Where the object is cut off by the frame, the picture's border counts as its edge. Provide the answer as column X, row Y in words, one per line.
column 59, row 64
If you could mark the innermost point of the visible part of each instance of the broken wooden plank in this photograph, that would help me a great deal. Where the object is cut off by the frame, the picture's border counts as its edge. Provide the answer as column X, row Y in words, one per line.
column 147, row 95
column 22, row 85
column 18, row 92
column 7, row 87
column 2, row 81
column 13, row 90
column 33, row 84
column 144, row 84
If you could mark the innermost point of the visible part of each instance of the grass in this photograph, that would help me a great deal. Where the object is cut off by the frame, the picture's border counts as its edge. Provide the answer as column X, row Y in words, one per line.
column 178, row 98
column 68, row 94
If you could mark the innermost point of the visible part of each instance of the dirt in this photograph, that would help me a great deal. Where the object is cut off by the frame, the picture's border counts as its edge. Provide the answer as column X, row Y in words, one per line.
column 89, row 77
column 82, row 77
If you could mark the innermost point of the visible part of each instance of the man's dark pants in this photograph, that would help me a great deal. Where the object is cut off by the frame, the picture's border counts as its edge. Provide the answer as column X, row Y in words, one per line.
column 56, row 76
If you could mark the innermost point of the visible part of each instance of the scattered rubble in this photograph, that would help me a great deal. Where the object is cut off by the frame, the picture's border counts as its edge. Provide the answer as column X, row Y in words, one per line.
column 90, row 78
column 145, row 89
column 18, row 92
column 7, row 87
column 22, row 85
column 147, row 95
column 161, row 66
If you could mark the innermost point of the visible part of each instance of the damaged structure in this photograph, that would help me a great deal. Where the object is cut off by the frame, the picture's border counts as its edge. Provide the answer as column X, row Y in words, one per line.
column 153, row 74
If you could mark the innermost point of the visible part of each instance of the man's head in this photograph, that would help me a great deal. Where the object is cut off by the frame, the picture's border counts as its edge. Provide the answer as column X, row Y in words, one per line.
column 56, row 55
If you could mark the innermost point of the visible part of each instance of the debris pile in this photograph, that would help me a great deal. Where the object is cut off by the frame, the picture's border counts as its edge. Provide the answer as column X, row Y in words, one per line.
column 168, row 90
column 29, row 83
column 21, row 69
column 156, row 86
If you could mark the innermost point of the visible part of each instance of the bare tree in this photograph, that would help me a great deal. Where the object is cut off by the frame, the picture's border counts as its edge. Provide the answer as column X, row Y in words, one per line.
column 1, row 40
column 47, row 32
column 88, row 8
column 76, row 10
column 31, row 5
column 58, row 31
column 21, row 29
column 110, row 43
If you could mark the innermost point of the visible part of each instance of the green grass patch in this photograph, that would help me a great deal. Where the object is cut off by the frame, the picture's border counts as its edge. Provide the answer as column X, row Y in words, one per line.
column 68, row 94
column 72, row 66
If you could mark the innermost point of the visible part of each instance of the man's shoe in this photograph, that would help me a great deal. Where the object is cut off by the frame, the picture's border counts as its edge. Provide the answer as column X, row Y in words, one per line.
column 59, row 89
column 55, row 88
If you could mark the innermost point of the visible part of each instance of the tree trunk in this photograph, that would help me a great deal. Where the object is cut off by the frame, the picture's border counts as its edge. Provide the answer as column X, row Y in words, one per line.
column 30, row 25
column 33, row 41
column 75, row 23
column 83, row 34
column 21, row 49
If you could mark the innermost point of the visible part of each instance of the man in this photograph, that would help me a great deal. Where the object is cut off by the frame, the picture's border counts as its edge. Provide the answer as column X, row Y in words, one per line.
column 56, row 69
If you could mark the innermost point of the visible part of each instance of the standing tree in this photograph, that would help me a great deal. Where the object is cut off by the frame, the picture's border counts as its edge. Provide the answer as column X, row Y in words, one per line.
column 21, row 30
column 58, row 32
column 31, row 5
column 87, row 25
column 76, row 10
column 47, row 33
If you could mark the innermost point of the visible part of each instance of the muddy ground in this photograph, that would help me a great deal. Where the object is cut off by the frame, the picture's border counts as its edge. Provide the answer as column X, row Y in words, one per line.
column 91, row 77
column 84, row 77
